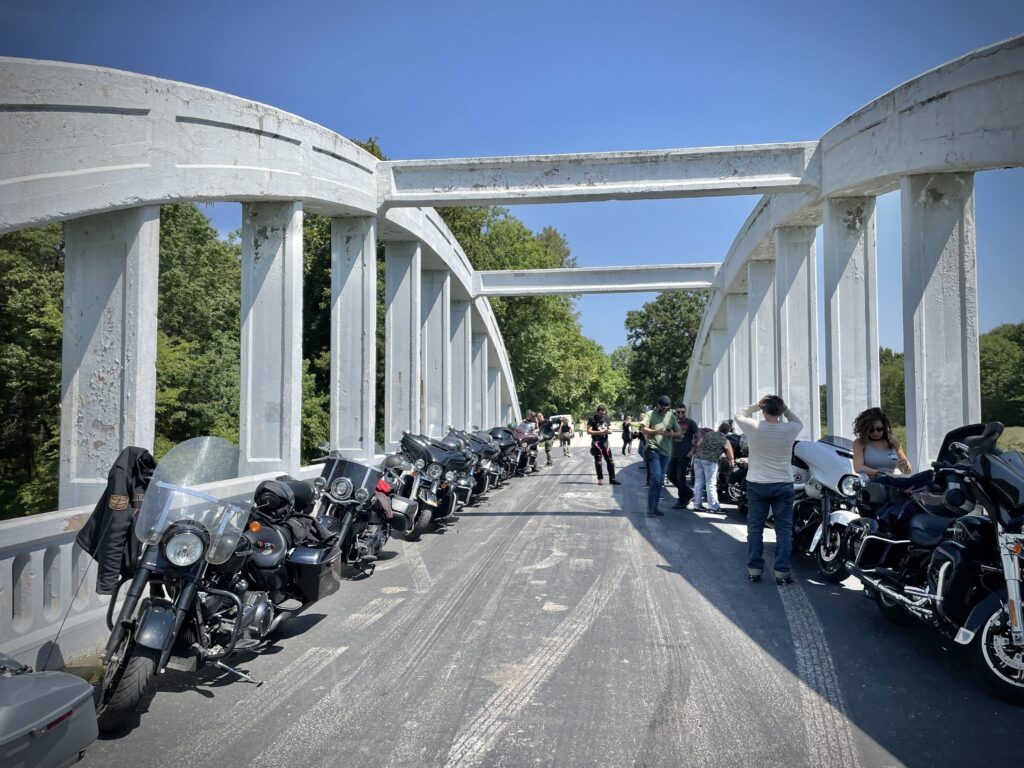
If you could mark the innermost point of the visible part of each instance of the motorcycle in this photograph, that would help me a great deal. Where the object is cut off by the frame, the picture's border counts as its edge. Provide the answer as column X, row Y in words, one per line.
column 432, row 481
column 510, row 451
column 222, row 575
column 960, row 571
column 485, row 473
column 732, row 480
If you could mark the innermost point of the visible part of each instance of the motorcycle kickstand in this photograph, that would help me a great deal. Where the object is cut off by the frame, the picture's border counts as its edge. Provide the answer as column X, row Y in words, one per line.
column 238, row 672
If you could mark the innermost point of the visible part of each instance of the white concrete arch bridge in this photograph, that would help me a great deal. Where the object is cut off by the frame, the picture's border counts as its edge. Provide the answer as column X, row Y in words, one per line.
column 101, row 150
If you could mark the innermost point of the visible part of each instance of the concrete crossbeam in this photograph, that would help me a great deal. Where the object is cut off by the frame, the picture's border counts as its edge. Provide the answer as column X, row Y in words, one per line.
column 652, row 174
column 577, row 280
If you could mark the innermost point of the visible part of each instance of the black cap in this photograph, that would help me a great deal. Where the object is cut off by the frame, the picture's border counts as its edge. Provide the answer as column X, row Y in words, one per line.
column 664, row 400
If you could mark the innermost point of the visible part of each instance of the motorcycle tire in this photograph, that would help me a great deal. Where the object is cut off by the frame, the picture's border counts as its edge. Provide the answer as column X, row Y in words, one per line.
column 1003, row 677
column 831, row 565
column 129, row 684
column 892, row 610
column 421, row 524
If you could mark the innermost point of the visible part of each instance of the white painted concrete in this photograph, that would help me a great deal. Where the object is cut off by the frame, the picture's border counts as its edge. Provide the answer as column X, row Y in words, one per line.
column 851, row 311
column 722, row 404
column 763, row 350
column 579, row 280
column 739, row 350
column 480, row 416
column 494, row 385
column 461, row 364
column 353, row 335
column 108, row 374
column 796, row 293
column 435, row 353
column 940, row 310
column 270, row 422
column 402, row 339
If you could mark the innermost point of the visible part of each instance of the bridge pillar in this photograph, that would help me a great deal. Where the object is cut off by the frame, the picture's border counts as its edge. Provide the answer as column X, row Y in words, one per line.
column 436, row 350
column 739, row 351
column 108, row 380
column 402, row 326
column 478, row 392
column 721, row 404
column 851, row 311
column 796, row 296
column 940, row 310
column 270, row 421
column 353, row 335
column 494, row 384
column 707, row 387
column 461, row 368
column 764, row 356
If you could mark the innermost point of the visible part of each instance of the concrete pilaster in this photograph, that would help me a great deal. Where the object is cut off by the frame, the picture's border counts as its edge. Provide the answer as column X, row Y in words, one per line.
column 739, row 351
column 940, row 310
column 402, row 331
column 270, row 419
column 436, row 353
column 479, row 414
column 851, row 311
column 762, row 347
column 796, row 295
column 353, row 335
column 494, row 385
column 108, row 378
column 461, row 359
column 721, row 404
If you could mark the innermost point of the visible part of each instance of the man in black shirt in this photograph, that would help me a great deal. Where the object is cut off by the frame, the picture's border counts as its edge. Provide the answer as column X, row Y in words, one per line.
column 681, row 449
column 599, row 426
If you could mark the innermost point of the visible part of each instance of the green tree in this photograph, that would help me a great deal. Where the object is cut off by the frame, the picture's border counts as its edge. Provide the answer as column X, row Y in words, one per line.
column 1002, row 374
column 891, row 382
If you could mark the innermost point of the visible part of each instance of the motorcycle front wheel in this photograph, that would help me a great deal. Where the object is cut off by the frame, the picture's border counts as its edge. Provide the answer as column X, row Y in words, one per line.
column 994, row 656
column 828, row 556
column 127, row 681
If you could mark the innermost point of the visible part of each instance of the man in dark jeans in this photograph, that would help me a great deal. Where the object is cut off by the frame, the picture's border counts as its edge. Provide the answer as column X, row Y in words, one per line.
column 680, row 463
column 599, row 426
column 660, row 428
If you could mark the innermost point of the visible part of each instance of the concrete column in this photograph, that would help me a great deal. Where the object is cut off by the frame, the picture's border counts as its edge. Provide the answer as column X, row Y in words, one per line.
column 796, row 295
column 707, row 386
column 722, row 406
column 436, row 353
column 764, row 356
column 494, row 397
column 462, row 369
column 270, row 420
column 402, row 326
column 940, row 310
column 739, row 351
column 480, row 416
column 353, row 335
column 851, row 311
column 108, row 375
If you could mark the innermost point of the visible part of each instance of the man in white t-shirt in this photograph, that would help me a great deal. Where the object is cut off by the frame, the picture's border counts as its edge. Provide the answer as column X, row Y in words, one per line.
column 769, row 482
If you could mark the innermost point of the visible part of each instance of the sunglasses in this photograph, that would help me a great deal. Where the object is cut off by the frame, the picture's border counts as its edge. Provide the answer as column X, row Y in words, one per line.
column 876, row 429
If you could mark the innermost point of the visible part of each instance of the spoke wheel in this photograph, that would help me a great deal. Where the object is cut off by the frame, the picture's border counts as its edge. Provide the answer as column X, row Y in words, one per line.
column 828, row 556
column 997, row 659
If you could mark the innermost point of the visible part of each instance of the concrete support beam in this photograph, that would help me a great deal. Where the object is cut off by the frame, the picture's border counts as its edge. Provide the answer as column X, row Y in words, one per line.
column 353, row 335
column 480, row 416
column 739, row 351
column 108, row 382
column 402, row 329
column 940, row 310
column 721, row 403
column 530, row 282
column 436, row 353
column 270, row 420
column 796, row 295
column 494, row 385
column 461, row 364
column 746, row 169
column 762, row 345
column 851, row 311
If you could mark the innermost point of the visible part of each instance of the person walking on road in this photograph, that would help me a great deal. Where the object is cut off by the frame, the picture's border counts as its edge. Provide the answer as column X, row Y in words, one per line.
column 565, row 436
column 627, row 435
column 769, row 482
column 599, row 426
column 705, row 466
column 682, row 450
column 660, row 427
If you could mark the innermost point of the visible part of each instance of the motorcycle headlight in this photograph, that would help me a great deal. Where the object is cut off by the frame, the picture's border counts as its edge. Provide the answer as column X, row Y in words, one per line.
column 449, row 476
column 183, row 549
column 341, row 488
column 420, row 463
column 849, row 485
column 434, row 471
column 362, row 494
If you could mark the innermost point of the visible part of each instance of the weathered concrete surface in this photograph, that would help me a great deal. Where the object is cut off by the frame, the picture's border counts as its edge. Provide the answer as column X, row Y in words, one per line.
column 559, row 626
column 527, row 282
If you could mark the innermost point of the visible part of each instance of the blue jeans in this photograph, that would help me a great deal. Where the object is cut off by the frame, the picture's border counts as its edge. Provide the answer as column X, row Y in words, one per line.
column 779, row 498
column 705, row 478
column 656, row 464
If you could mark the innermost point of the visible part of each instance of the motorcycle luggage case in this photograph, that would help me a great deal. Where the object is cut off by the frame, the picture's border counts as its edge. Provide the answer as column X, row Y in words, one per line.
column 315, row 574
column 46, row 719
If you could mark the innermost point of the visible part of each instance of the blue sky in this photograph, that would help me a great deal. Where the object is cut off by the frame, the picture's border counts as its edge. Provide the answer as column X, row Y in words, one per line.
column 451, row 79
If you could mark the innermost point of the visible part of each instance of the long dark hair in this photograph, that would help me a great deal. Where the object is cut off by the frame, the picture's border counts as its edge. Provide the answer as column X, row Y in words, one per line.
column 863, row 423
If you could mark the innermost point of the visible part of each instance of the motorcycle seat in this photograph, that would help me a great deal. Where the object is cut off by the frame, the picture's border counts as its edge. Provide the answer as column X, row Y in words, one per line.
column 925, row 530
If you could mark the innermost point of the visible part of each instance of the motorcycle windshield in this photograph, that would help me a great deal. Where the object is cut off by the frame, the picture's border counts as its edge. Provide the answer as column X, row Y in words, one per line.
column 175, row 493
column 360, row 475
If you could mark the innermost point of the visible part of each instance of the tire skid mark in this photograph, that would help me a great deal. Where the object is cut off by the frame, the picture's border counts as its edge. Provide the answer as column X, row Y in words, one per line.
column 421, row 580
column 371, row 613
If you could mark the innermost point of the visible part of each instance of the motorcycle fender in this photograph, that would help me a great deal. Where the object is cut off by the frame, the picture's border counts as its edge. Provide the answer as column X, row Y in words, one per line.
column 841, row 517
column 156, row 627
column 978, row 616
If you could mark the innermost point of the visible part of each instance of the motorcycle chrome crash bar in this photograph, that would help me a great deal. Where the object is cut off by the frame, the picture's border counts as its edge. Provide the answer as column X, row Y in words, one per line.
column 1010, row 552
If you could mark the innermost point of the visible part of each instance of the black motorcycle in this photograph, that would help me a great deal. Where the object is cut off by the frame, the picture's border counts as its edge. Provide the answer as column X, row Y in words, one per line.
column 436, row 480
column 959, row 573
column 511, row 450
column 221, row 574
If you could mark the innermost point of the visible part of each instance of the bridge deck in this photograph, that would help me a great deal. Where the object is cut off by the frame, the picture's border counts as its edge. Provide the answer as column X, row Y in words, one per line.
column 557, row 625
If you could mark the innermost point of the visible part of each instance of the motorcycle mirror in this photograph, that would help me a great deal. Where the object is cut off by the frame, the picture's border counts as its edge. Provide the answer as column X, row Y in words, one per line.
column 324, row 446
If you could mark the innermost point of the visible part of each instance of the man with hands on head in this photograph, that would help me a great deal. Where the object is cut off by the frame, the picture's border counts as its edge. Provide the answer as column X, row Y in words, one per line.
column 660, row 427
column 769, row 482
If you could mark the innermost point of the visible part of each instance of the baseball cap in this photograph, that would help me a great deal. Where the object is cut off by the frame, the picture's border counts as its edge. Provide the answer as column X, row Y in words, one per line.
column 664, row 400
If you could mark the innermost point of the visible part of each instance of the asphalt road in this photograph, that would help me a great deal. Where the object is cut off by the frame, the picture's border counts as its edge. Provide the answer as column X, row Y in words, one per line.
column 558, row 625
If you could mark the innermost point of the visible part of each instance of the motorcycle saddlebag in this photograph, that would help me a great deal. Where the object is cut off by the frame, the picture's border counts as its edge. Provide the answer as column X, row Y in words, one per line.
column 313, row 573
